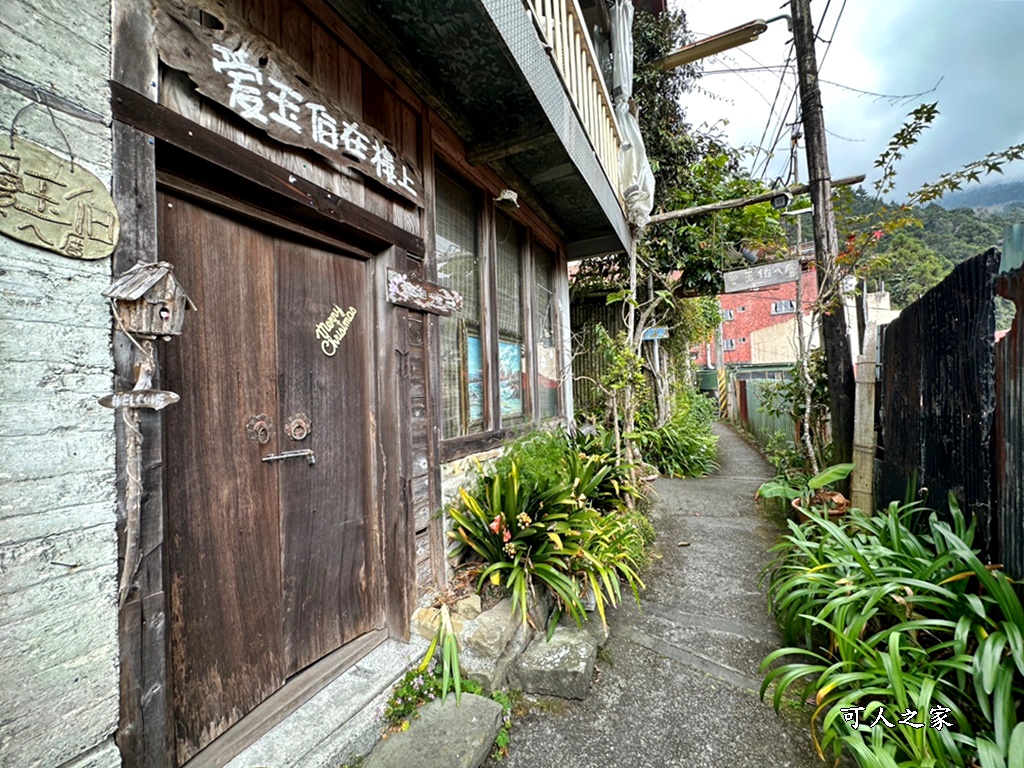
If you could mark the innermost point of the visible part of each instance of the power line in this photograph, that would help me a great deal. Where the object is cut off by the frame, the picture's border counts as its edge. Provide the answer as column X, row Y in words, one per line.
column 892, row 97
column 833, row 35
column 730, row 70
column 738, row 71
column 835, row 135
column 778, row 134
column 771, row 111
column 799, row 117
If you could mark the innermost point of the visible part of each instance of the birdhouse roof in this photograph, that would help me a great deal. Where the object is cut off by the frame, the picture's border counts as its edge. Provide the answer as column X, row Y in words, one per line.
column 134, row 283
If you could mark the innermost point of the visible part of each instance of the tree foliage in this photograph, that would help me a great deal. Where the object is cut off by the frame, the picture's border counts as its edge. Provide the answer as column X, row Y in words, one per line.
column 683, row 258
column 912, row 246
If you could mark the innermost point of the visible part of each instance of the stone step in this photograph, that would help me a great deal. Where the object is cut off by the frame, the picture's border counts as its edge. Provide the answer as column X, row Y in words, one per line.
column 445, row 735
column 562, row 666
column 339, row 724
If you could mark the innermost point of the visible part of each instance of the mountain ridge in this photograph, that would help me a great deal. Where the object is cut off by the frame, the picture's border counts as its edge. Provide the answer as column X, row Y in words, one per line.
column 997, row 198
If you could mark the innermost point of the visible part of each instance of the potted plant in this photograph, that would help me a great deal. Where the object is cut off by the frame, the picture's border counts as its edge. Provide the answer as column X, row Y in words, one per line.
column 810, row 495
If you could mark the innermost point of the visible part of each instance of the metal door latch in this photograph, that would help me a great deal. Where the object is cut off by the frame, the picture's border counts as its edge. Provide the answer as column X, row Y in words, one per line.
column 306, row 454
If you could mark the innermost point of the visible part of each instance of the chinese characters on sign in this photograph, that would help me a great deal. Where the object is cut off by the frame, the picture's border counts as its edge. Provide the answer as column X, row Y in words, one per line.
column 762, row 275
column 332, row 330
column 937, row 718
column 46, row 202
column 247, row 75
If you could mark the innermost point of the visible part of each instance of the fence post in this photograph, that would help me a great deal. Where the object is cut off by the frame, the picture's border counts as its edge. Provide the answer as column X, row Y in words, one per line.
column 864, row 441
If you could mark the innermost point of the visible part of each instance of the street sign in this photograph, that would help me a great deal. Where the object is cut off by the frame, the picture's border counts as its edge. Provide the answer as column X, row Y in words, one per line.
column 650, row 334
column 762, row 275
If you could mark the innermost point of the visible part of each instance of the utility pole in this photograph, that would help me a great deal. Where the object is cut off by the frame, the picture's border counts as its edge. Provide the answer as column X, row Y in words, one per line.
column 826, row 243
column 794, row 145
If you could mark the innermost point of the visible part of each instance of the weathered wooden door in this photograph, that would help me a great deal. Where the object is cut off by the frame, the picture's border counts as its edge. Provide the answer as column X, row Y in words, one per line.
column 270, row 495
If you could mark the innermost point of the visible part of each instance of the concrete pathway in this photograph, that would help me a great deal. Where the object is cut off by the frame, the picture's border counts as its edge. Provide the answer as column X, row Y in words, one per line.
column 678, row 682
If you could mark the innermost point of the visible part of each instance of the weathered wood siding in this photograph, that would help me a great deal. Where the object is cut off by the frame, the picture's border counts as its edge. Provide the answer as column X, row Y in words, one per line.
column 58, row 547
column 329, row 54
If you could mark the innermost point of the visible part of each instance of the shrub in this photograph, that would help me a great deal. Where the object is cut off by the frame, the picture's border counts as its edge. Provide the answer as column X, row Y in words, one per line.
column 552, row 537
column 684, row 446
column 540, row 456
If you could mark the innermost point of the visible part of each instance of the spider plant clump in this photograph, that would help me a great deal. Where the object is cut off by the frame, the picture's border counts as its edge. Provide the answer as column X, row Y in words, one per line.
column 554, row 516
column 910, row 648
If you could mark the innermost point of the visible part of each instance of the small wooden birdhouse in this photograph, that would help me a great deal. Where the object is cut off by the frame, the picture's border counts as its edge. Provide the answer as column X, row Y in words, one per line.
column 149, row 301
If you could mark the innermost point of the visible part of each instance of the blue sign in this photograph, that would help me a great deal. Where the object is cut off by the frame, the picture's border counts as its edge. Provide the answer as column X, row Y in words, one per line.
column 650, row 334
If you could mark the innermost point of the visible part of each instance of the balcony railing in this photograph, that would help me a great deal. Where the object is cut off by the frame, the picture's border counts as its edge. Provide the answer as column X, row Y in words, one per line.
column 563, row 28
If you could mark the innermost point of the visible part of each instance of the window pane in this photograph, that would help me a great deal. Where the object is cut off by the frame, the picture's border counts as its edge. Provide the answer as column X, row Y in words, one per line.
column 510, row 317
column 547, row 337
column 458, row 267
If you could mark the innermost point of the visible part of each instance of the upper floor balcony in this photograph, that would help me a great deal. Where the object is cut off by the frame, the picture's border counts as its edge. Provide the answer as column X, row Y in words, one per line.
column 521, row 83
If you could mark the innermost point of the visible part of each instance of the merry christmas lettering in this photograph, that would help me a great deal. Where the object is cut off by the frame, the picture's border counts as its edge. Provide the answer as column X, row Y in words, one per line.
column 332, row 330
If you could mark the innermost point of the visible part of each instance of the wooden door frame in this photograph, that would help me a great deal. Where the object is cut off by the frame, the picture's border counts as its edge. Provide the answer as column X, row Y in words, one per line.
column 145, row 731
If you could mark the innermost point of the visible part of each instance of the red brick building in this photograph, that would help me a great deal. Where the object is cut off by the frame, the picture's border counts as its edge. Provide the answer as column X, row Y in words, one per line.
column 749, row 311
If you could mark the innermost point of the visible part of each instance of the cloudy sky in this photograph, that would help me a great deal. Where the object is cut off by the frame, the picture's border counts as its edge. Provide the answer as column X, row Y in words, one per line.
column 893, row 47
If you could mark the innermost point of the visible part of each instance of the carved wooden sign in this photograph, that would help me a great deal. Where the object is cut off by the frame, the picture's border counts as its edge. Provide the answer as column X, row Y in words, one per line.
column 48, row 202
column 238, row 69
column 762, row 275
column 156, row 399
column 417, row 294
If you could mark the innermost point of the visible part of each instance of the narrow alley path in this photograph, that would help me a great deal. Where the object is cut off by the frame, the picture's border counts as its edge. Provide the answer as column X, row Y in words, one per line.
column 678, row 678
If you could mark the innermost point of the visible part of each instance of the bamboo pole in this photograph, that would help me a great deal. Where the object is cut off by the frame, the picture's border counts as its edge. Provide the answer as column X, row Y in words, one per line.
column 740, row 202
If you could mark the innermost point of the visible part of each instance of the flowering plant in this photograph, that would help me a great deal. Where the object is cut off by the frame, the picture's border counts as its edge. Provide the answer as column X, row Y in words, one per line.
column 550, row 537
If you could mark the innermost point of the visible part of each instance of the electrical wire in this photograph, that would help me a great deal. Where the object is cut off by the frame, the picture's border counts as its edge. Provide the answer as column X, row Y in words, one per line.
column 771, row 111
column 778, row 135
column 832, row 37
column 754, row 88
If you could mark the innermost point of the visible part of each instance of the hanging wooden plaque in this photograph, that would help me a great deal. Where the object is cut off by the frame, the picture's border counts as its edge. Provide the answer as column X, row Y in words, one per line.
column 419, row 294
column 240, row 70
column 48, row 202
column 155, row 399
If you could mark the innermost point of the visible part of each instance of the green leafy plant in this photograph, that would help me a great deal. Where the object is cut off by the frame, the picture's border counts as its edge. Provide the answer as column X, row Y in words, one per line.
column 684, row 446
column 430, row 679
column 807, row 491
column 525, row 537
column 551, row 537
column 448, row 642
column 891, row 612
column 504, row 737
column 540, row 456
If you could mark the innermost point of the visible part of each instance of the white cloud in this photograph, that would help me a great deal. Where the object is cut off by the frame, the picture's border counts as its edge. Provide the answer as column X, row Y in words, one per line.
column 882, row 46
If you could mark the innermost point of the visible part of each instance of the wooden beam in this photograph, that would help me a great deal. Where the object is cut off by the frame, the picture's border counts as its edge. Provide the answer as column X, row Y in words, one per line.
column 167, row 125
column 49, row 98
column 741, row 202
column 531, row 137
column 144, row 733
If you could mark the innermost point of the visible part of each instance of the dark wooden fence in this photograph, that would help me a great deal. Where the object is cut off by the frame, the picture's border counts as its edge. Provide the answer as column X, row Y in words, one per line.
column 950, row 406
column 1009, row 421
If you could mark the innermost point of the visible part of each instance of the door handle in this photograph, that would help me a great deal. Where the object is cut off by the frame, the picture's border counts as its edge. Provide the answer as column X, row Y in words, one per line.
column 306, row 454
